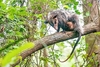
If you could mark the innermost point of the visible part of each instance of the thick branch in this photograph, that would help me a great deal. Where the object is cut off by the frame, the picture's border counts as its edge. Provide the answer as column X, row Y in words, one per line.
column 55, row 38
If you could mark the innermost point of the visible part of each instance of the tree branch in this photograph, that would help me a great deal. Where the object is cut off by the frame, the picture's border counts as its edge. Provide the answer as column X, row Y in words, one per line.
column 55, row 38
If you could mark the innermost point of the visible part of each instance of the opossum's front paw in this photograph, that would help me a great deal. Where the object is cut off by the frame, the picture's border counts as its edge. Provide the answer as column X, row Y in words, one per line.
column 63, row 31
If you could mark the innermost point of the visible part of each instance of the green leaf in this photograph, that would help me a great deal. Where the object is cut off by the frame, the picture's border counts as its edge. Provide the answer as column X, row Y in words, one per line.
column 10, row 40
column 66, row 6
column 90, row 4
column 87, row 13
column 10, row 16
column 19, row 34
column 2, row 6
column 22, row 28
column 12, row 56
column 98, row 33
column 77, row 11
column 75, row 7
column 38, row 15
column 76, row 3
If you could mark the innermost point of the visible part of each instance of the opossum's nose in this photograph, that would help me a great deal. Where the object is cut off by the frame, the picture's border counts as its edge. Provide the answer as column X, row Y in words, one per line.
column 45, row 21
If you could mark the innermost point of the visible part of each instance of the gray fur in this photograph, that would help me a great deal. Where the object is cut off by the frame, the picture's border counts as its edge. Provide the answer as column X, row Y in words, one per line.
column 64, row 16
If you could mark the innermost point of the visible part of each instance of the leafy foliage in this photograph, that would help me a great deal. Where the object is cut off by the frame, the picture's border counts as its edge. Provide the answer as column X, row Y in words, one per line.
column 13, row 55
column 23, row 21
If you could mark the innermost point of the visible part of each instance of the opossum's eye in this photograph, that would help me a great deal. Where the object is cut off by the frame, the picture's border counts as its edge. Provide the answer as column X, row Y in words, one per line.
column 55, row 16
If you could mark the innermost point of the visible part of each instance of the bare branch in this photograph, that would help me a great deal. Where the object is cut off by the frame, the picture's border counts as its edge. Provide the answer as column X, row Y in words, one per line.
column 55, row 38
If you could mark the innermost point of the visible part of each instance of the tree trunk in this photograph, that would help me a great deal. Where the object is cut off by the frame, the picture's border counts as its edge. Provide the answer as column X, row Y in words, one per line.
column 91, row 7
